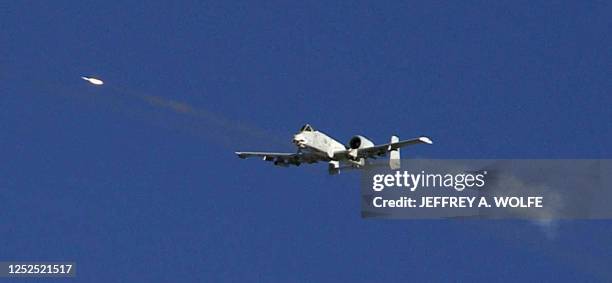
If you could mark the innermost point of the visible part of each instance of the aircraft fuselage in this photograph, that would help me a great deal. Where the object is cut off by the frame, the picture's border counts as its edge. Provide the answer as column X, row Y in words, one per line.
column 318, row 143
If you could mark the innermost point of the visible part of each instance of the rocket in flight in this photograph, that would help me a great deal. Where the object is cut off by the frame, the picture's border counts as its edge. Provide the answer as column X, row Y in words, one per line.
column 93, row 80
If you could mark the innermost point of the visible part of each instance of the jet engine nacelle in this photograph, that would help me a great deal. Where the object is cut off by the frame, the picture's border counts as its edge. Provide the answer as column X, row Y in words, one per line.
column 281, row 163
column 357, row 142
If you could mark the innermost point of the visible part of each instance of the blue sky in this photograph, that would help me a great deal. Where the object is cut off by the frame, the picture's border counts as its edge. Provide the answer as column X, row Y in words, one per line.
column 133, row 191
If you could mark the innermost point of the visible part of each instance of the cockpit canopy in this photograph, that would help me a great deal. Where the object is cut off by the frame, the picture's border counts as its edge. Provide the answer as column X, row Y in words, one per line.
column 307, row 128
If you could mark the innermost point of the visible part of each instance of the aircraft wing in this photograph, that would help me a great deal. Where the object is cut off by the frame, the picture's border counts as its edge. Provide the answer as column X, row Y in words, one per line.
column 279, row 158
column 247, row 154
column 379, row 150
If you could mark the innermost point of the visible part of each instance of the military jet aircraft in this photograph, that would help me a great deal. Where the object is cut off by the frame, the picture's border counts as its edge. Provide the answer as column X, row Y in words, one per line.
column 314, row 146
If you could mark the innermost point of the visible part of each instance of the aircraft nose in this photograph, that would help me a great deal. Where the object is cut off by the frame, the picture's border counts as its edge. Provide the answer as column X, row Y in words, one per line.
column 299, row 140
